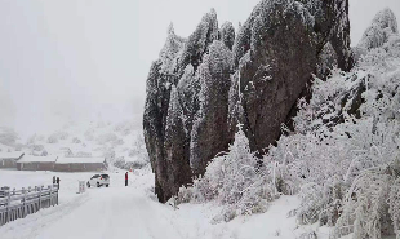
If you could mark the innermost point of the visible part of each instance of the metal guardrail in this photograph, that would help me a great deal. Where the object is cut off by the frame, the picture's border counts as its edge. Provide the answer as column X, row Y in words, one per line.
column 16, row 204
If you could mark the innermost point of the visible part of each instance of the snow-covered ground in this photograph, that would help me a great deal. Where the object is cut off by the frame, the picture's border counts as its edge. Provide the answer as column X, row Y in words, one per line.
column 133, row 212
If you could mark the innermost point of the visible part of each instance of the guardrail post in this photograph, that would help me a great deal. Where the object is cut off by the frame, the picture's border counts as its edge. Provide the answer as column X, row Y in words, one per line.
column 24, row 202
column 50, row 195
column 7, row 194
column 1, row 214
column 39, row 190
column 4, row 214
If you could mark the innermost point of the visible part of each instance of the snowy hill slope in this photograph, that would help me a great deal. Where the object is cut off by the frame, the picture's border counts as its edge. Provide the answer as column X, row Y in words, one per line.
column 120, row 141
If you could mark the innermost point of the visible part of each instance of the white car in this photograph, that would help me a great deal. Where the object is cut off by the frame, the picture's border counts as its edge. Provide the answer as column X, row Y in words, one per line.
column 99, row 180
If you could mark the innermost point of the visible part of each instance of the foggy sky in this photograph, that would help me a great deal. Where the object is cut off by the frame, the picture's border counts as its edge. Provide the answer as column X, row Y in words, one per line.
column 77, row 57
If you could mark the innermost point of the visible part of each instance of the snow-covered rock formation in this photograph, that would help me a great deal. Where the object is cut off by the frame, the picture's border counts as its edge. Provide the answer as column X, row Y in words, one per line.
column 383, row 26
column 193, row 88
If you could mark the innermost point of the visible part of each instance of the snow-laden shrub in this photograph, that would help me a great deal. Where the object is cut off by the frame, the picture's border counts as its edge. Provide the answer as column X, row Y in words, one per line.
column 366, row 210
column 394, row 205
column 344, row 151
column 311, row 203
column 232, row 181
column 331, row 160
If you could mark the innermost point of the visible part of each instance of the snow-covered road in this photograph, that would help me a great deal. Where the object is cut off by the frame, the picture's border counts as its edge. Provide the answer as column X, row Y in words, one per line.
column 131, row 212
column 114, row 212
column 106, row 212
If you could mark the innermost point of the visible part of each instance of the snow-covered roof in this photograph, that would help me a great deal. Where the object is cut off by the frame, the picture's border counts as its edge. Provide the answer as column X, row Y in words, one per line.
column 33, row 158
column 79, row 160
column 10, row 155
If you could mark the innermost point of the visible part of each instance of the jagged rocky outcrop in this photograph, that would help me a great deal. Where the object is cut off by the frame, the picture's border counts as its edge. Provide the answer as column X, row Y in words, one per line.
column 227, row 34
column 327, row 61
column 383, row 31
column 277, row 50
column 379, row 43
column 169, row 146
column 383, row 26
column 210, row 130
column 332, row 110
column 195, row 88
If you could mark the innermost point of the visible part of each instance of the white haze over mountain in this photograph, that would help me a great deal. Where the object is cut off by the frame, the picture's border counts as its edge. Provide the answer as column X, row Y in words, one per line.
column 71, row 59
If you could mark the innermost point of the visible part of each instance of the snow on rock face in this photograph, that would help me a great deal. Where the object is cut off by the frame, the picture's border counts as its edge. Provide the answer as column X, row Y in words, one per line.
column 168, row 54
column 155, row 120
column 210, row 130
column 383, row 26
column 327, row 61
column 227, row 34
column 197, row 43
column 274, row 55
column 272, row 40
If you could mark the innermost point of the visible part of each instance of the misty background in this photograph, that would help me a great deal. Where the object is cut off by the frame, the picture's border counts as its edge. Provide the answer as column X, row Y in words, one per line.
column 79, row 59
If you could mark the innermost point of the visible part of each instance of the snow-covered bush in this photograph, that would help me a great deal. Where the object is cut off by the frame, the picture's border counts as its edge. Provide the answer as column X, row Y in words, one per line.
column 233, row 181
column 331, row 148
column 394, row 206
column 366, row 210
column 311, row 203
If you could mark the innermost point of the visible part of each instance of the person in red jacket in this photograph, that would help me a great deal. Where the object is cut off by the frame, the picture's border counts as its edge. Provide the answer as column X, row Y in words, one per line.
column 126, row 179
